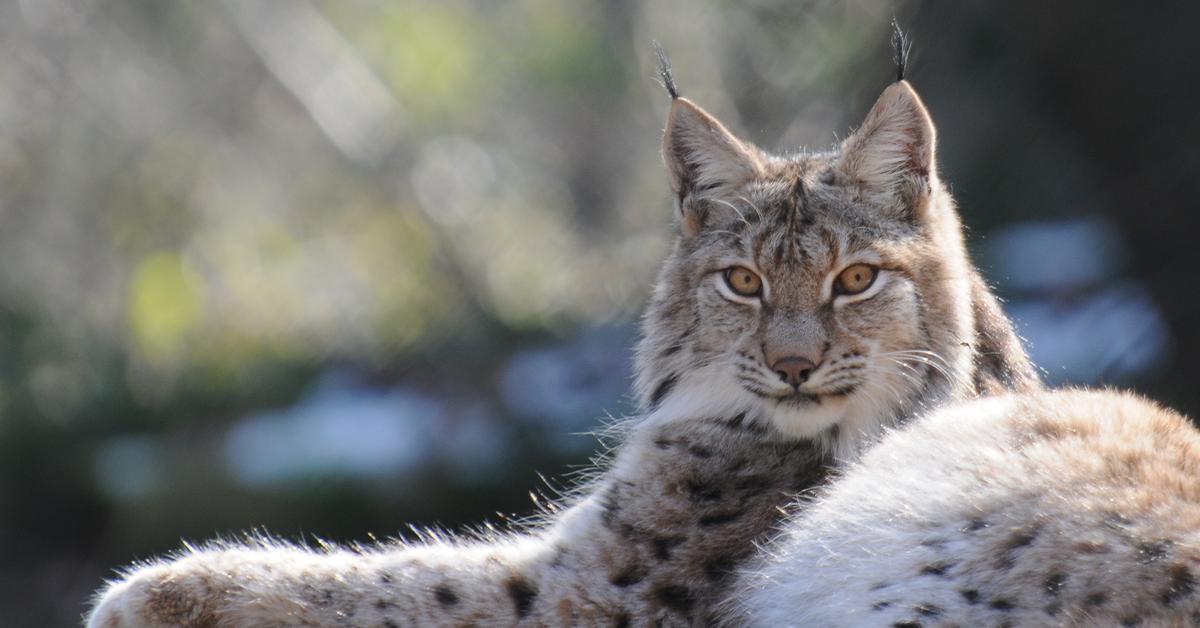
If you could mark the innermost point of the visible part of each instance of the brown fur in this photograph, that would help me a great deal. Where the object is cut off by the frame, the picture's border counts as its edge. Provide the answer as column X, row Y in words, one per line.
column 704, row 476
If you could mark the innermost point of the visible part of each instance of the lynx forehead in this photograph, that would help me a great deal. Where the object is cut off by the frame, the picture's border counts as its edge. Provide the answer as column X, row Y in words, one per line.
column 820, row 293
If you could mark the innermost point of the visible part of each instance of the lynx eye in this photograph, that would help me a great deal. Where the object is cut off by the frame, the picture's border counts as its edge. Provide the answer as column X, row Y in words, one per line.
column 743, row 281
column 855, row 279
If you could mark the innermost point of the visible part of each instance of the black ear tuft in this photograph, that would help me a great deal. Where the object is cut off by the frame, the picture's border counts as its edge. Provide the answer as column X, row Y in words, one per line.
column 665, row 75
column 900, row 47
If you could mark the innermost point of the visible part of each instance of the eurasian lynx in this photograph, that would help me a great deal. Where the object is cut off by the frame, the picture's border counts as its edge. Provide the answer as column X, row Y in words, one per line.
column 1062, row 508
column 810, row 301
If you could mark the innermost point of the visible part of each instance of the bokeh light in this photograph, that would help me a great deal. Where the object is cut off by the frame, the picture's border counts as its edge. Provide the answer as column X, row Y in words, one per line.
column 331, row 268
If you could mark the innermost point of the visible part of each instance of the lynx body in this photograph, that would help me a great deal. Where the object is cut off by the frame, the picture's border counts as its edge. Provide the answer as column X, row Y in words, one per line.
column 1063, row 508
column 810, row 301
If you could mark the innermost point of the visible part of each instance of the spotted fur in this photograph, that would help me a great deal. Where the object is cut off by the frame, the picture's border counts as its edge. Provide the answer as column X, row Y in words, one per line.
column 723, row 446
column 657, row 539
column 1069, row 508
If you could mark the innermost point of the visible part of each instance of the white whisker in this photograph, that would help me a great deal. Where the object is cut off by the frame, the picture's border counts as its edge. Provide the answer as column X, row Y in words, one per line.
column 752, row 206
column 729, row 205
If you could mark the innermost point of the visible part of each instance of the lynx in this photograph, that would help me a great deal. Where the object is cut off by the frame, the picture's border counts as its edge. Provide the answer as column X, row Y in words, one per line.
column 1067, row 508
column 810, row 301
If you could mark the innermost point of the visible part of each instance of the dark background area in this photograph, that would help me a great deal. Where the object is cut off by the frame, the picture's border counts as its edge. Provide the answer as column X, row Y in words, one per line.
column 328, row 269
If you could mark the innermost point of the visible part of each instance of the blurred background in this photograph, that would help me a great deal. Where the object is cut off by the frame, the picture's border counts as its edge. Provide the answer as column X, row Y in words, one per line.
column 329, row 268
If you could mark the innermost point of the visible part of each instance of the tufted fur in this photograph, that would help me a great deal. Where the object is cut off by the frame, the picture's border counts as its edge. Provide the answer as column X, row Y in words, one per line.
column 724, row 444
column 1068, row 508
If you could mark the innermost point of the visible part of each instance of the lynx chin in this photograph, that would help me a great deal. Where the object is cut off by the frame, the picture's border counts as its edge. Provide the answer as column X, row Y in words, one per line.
column 811, row 301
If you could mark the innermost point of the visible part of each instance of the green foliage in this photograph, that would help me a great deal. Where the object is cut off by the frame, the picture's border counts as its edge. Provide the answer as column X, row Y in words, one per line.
column 208, row 208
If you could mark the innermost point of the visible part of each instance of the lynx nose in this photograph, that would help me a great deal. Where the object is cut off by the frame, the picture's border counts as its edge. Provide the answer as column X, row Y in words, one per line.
column 794, row 369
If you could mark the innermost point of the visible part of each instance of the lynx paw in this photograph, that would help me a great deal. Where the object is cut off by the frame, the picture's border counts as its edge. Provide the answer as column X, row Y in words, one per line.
column 155, row 598
column 112, row 608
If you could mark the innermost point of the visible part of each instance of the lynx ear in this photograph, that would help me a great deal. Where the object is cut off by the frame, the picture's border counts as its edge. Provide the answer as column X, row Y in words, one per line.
column 891, row 156
column 703, row 159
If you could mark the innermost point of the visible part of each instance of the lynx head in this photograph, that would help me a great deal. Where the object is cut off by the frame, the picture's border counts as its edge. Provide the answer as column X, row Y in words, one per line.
column 823, row 294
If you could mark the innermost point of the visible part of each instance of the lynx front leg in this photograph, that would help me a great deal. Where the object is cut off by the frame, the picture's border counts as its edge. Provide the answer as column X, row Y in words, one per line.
column 436, row 584
column 275, row 586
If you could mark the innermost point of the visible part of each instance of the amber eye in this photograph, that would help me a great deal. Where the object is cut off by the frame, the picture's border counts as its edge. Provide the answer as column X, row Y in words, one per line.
column 855, row 279
column 743, row 281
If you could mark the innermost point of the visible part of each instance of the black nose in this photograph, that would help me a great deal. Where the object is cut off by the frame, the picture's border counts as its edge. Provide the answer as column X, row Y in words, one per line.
column 794, row 369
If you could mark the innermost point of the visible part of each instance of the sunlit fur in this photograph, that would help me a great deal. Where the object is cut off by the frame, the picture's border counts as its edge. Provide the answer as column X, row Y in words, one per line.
column 1067, row 508
column 911, row 340
column 721, row 448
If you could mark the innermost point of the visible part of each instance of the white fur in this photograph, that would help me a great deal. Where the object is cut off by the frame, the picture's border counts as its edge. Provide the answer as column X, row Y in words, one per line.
column 860, row 554
column 863, row 531
column 861, row 416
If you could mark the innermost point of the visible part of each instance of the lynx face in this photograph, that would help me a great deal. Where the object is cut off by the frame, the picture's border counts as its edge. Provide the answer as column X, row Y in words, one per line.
column 821, row 293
